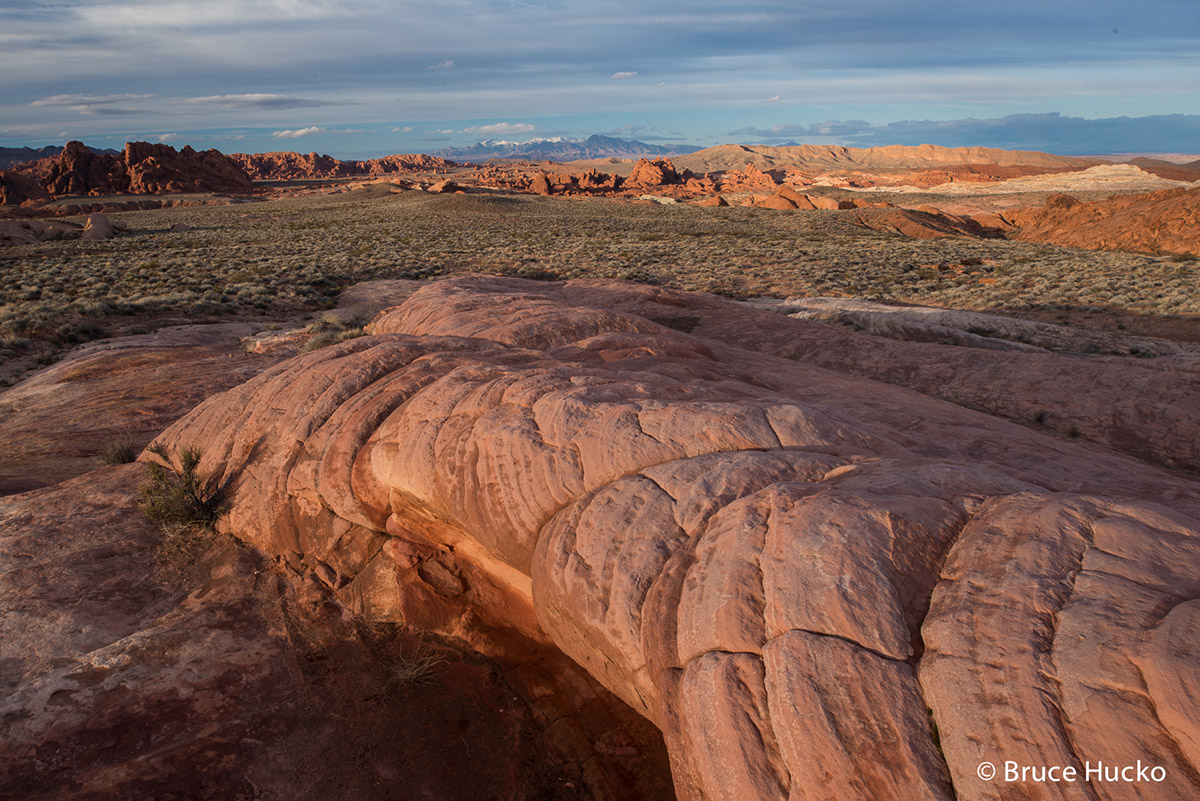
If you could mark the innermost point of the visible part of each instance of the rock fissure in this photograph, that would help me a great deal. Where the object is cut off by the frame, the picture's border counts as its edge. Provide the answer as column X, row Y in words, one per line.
column 643, row 523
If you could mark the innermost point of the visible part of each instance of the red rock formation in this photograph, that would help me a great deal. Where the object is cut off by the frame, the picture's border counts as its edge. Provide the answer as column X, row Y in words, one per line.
column 924, row 223
column 142, row 169
column 794, row 573
column 817, row 159
column 26, row 232
column 540, row 184
column 287, row 166
column 598, row 182
column 17, row 188
column 715, row 200
column 748, row 179
column 1159, row 222
column 650, row 173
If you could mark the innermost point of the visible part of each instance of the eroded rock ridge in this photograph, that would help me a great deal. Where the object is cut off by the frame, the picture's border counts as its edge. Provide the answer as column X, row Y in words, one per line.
column 817, row 586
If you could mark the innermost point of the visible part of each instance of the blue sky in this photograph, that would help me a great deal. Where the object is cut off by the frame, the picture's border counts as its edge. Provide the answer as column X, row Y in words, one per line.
column 357, row 78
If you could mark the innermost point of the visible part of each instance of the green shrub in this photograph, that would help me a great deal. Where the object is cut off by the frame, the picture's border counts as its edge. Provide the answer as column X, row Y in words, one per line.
column 176, row 495
column 330, row 330
column 118, row 450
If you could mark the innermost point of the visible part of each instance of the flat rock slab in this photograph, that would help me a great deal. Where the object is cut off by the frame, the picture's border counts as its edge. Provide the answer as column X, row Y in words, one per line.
column 58, row 420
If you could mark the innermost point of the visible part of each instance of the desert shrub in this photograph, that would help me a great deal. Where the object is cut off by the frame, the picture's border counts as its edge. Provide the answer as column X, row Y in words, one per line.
column 118, row 450
column 414, row 668
column 176, row 495
column 330, row 331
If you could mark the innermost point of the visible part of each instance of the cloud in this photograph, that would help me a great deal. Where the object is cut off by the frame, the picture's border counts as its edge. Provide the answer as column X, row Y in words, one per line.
column 150, row 14
column 774, row 99
column 500, row 128
column 169, row 137
column 622, row 76
column 405, row 129
column 794, row 130
column 93, row 104
column 257, row 101
column 86, row 100
column 441, row 65
column 298, row 132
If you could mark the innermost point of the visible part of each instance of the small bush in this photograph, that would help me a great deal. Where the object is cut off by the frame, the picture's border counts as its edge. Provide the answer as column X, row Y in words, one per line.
column 414, row 668
column 176, row 495
column 330, row 331
column 118, row 450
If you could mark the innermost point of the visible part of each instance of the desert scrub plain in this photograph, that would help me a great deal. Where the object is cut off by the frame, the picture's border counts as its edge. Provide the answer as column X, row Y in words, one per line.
column 276, row 258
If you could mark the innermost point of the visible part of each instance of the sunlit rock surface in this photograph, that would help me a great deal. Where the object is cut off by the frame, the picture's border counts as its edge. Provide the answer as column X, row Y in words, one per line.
column 816, row 585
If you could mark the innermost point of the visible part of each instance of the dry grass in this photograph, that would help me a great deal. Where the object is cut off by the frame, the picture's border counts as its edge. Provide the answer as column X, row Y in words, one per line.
column 292, row 254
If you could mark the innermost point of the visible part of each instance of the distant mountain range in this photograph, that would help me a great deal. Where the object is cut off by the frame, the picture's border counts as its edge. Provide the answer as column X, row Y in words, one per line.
column 559, row 149
column 12, row 156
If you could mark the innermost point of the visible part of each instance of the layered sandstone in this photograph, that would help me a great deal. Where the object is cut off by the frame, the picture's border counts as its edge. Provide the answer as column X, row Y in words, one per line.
column 1159, row 222
column 289, row 166
column 141, row 169
column 652, row 173
column 826, row 158
column 794, row 572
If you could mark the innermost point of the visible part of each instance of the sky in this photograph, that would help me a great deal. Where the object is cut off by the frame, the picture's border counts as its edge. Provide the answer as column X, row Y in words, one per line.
column 362, row 78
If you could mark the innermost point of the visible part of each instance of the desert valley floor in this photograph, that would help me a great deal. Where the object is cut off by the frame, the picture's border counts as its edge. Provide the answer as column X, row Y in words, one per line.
column 840, row 477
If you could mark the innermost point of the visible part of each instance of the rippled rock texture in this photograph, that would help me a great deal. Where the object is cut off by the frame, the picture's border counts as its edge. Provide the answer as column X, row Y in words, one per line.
column 815, row 584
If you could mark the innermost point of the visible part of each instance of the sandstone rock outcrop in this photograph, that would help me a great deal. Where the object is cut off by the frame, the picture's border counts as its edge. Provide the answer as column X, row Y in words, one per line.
column 924, row 223
column 98, row 227
column 57, row 421
column 748, row 179
column 141, row 169
column 657, row 172
column 443, row 187
column 785, row 197
column 130, row 673
column 815, row 159
column 289, row 166
column 540, row 184
column 1159, row 222
column 796, row 574
column 24, row 232
column 16, row 188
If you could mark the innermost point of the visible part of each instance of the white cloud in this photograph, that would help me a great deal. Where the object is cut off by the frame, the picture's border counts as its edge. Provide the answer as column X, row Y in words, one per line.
column 442, row 65
column 774, row 99
column 500, row 128
column 256, row 100
column 86, row 100
column 405, row 129
column 298, row 132
column 214, row 13
column 622, row 76
column 168, row 137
